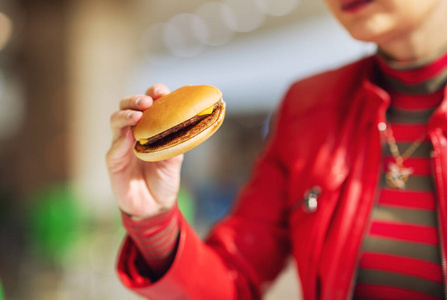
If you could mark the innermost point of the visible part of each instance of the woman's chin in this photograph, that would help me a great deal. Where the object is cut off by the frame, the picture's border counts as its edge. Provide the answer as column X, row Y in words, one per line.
column 371, row 37
column 371, row 32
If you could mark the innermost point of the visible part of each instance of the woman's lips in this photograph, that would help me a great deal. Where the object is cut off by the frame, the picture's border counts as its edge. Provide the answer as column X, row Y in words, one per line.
column 354, row 5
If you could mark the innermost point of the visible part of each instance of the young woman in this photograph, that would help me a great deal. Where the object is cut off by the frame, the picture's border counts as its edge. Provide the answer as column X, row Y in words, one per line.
column 352, row 183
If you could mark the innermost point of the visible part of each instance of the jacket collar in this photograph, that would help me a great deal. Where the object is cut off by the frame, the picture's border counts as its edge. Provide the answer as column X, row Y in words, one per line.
column 439, row 117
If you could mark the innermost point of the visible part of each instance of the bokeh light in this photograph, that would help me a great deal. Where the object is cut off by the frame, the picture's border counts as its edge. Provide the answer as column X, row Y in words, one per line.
column 277, row 7
column 242, row 15
column 12, row 106
column 179, row 38
column 5, row 30
column 215, row 33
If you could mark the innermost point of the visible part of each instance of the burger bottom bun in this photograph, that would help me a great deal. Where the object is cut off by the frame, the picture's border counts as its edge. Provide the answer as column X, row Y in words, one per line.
column 174, row 149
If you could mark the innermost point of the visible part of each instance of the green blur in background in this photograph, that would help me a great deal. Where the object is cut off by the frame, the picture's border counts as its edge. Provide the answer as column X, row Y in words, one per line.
column 56, row 222
column 1, row 292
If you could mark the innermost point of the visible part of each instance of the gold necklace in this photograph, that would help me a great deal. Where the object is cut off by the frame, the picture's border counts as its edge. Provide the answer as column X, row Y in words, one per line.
column 397, row 174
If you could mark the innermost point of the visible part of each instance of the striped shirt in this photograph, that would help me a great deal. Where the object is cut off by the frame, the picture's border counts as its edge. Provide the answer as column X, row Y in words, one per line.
column 401, row 255
column 156, row 237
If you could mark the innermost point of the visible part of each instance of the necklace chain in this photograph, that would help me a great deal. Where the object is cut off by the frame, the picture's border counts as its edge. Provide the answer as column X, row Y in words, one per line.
column 397, row 175
column 395, row 150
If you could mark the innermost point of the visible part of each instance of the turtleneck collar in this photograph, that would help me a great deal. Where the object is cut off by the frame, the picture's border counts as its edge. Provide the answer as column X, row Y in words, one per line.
column 423, row 77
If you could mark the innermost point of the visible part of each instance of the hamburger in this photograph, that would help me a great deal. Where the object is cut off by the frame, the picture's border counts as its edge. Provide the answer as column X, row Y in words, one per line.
column 178, row 122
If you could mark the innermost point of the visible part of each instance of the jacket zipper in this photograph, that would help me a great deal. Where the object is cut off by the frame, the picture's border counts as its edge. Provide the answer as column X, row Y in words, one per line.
column 382, row 128
column 440, row 231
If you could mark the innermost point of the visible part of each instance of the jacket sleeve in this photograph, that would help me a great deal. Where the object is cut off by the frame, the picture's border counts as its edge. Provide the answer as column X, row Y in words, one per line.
column 241, row 255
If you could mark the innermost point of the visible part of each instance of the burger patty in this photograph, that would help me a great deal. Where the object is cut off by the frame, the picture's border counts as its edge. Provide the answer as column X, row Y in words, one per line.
column 176, row 131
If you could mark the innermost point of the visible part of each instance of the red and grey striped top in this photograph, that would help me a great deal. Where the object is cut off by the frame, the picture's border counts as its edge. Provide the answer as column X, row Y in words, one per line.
column 401, row 257
column 156, row 237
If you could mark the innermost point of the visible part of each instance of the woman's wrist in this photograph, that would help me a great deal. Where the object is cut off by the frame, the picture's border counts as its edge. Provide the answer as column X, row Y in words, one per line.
column 139, row 215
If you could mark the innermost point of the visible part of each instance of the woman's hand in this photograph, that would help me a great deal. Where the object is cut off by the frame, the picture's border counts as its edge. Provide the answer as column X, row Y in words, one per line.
column 141, row 188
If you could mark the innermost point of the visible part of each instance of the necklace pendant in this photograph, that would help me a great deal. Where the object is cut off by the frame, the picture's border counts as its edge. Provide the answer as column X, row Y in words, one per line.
column 397, row 176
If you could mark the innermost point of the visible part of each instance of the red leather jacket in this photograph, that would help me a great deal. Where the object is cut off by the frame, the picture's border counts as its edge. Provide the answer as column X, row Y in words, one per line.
column 310, row 196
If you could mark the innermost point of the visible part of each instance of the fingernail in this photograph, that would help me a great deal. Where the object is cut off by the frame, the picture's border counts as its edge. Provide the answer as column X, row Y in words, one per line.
column 131, row 115
column 158, row 91
column 143, row 101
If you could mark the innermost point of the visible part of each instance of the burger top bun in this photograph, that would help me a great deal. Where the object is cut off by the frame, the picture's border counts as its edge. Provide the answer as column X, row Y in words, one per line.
column 175, row 108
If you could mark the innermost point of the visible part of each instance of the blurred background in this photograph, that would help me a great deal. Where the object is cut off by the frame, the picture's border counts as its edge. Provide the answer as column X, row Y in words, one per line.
column 64, row 66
